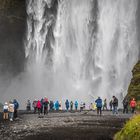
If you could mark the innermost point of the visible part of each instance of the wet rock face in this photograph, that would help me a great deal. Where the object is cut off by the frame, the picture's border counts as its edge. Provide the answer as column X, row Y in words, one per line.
column 12, row 30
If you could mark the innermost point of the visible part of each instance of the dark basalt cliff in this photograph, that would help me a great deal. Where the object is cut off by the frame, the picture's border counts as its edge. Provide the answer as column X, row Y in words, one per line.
column 12, row 31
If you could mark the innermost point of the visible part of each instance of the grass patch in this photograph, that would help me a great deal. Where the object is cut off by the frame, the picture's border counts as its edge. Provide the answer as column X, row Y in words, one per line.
column 131, row 130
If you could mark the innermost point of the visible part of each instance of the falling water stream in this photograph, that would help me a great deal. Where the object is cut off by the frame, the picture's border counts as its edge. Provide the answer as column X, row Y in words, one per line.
column 86, row 48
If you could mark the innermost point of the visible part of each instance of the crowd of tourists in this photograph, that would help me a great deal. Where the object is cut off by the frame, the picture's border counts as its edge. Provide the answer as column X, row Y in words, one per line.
column 10, row 110
column 43, row 106
column 102, row 105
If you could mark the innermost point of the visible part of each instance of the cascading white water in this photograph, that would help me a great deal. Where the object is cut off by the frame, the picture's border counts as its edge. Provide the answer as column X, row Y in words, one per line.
column 93, row 50
column 116, row 44
column 37, row 29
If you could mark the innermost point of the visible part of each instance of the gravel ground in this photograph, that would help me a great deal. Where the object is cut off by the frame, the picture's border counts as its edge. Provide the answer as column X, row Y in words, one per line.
column 63, row 126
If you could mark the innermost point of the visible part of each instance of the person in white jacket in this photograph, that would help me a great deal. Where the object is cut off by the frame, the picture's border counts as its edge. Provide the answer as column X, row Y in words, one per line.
column 5, row 111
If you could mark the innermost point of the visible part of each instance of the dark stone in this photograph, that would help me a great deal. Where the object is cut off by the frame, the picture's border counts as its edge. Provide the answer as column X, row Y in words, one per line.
column 12, row 30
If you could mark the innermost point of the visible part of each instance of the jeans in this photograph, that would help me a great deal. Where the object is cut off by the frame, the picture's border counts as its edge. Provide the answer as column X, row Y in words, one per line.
column 125, row 109
column 99, row 111
column 45, row 110
column 115, row 110
column 35, row 108
column 11, row 115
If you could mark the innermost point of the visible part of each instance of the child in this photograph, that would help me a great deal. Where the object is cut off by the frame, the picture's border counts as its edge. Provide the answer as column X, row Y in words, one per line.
column 5, row 111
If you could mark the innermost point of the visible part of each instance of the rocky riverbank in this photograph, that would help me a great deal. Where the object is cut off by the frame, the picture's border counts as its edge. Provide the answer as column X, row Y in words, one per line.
column 63, row 126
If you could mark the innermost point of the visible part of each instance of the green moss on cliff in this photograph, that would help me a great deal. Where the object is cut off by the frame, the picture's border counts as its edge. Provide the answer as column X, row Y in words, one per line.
column 134, row 88
column 131, row 130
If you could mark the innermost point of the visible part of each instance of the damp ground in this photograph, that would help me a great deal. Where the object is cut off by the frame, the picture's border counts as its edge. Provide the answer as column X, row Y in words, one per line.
column 84, row 125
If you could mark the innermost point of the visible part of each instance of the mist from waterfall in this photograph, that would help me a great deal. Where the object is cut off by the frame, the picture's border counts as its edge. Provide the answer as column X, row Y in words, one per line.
column 78, row 49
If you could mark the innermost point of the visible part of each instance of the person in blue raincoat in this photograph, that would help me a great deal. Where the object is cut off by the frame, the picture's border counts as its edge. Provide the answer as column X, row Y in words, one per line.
column 67, row 105
column 56, row 105
column 99, row 106
column 76, row 105
column 16, row 106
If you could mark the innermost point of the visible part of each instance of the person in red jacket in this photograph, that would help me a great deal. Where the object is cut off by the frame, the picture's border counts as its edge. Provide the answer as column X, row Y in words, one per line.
column 39, row 106
column 133, row 105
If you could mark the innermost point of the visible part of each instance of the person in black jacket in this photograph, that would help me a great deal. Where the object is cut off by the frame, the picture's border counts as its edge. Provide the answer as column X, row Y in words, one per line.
column 125, row 105
column 110, row 104
column 28, row 105
column 16, row 106
column 46, row 105
column 115, row 105
column 51, row 105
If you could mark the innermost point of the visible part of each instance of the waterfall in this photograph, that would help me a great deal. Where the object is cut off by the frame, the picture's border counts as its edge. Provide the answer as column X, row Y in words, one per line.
column 117, row 43
column 81, row 48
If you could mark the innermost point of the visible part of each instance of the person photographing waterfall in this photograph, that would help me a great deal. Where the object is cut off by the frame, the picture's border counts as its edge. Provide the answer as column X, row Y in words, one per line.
column 76, row 105
column 110, row 104
column 28, row 105
column 34, row 105
column 5, row 111
column 125, row 105
column 67, row 105
column 99, row 106
column 133, row 105
column 105, row 104
column 16, row 106
column 39, row 105
column 11, row 110
column 51, row 105
column 71, row 105
column 45, row 105
column 115, row 105
column 56, row 105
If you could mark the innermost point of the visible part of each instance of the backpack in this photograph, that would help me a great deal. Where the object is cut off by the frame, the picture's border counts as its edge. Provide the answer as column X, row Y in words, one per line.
column 16, row 105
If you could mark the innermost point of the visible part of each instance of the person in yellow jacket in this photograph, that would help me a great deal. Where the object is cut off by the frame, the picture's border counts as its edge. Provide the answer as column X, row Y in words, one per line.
column 94, row 106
